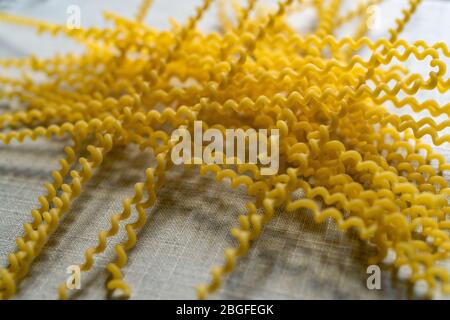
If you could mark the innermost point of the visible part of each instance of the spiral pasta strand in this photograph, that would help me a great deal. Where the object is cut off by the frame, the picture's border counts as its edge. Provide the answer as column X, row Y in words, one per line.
column 354, row 161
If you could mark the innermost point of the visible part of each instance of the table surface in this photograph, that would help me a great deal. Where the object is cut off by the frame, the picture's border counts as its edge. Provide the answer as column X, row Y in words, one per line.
column 189, row 227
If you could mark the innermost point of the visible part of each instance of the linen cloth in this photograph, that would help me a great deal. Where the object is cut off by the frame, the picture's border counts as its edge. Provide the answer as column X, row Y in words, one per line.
column 189, row 228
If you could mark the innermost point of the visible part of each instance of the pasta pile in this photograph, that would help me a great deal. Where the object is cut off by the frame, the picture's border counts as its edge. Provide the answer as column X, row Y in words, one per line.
column 351, row 159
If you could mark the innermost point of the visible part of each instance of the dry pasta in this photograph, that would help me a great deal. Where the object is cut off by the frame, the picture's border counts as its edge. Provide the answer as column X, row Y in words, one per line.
column 355, row 162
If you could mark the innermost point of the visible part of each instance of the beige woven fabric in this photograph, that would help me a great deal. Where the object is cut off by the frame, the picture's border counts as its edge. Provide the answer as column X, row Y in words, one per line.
column 185, row 235
column 189, row 227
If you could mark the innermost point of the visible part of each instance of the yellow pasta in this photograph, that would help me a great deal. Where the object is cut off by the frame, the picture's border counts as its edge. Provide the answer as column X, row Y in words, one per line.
column 356, row 163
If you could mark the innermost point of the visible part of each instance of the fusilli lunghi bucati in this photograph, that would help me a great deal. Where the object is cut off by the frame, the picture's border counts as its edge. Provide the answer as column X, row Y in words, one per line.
column 355, row 162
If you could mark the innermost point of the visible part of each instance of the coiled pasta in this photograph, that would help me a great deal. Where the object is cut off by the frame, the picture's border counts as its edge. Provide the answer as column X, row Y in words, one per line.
column 354, row 161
